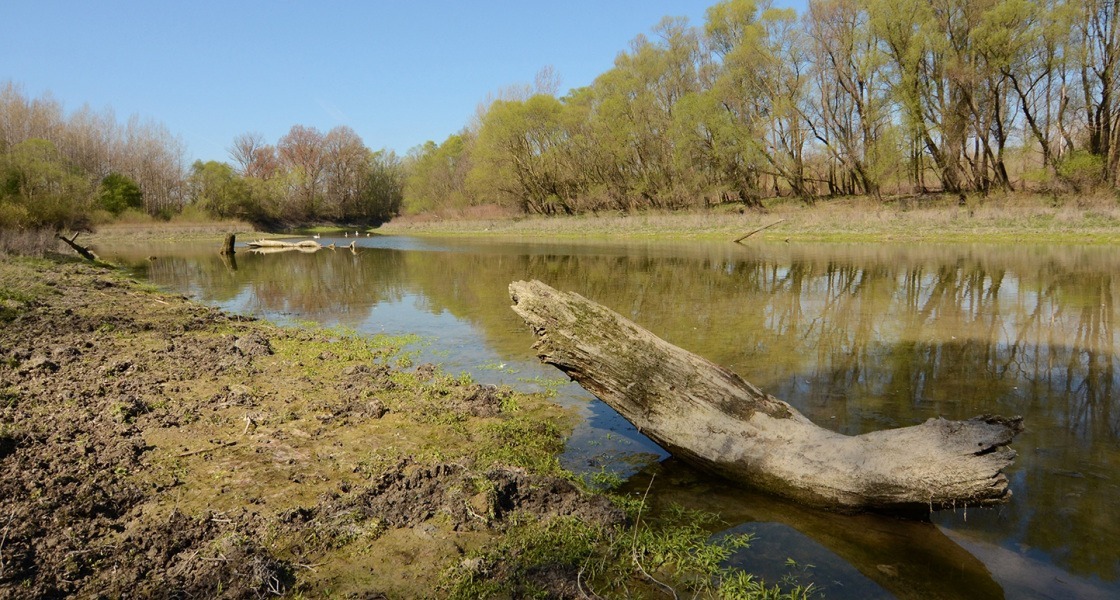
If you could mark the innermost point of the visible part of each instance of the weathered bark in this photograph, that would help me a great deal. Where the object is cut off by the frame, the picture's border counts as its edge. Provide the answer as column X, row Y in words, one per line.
column 710, row 417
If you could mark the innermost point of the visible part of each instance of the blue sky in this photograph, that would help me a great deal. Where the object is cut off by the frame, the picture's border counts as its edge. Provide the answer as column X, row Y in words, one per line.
column 399, row 73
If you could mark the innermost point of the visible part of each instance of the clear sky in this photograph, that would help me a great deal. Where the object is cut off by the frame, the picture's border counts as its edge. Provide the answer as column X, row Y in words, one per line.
column 398, row 72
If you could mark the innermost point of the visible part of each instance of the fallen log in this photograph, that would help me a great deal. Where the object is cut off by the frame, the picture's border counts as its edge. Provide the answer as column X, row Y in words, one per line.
column 281, row 249
column 710, row 417
column 80, row 249
column 305, row 244
column 739, row 240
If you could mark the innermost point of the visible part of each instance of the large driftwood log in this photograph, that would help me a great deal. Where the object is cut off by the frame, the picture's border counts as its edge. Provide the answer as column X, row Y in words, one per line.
column 710, row 417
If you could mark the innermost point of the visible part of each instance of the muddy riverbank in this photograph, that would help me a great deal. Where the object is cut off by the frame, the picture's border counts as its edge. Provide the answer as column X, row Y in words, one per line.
column 153, row 447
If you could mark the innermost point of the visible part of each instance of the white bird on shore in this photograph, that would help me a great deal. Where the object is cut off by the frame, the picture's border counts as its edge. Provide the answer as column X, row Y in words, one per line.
column 344, row 234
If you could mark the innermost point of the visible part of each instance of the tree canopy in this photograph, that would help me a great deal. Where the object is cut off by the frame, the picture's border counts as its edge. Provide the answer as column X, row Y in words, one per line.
column 851, row 97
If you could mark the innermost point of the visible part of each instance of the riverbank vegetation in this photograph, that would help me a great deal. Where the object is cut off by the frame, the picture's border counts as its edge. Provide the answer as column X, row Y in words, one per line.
column 892, row 101
column 936, row 218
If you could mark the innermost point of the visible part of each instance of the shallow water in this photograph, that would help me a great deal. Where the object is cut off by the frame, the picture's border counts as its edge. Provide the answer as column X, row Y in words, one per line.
column 858, row 337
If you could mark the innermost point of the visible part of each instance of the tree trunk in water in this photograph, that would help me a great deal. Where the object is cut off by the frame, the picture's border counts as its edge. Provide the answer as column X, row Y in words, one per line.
column 710, row 417
column 227, row 245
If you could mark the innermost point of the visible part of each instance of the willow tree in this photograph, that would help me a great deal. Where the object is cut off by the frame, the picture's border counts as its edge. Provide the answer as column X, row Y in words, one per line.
column 785, row 85
column 217, row 188
column 38, row 189
column 631, row 111
column 732, row 35
column 383, row 188
column 437, row 174
column 852, row 96
column 1099, row 63
column 921, row 91
column 517, row 156
column 1028, row 42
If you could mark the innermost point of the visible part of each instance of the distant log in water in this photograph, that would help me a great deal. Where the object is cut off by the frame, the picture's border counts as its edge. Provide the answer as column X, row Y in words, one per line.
column 710, row 417
column 227, row 245
column 269, row 246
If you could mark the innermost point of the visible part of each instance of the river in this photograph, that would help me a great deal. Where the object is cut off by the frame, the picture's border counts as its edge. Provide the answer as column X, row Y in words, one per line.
column 859, row 337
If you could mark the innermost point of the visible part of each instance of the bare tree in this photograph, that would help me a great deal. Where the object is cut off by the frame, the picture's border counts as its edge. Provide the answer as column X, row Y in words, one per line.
column 345, row 171
column 244, row 151
column 153, row 157
column 301, row 150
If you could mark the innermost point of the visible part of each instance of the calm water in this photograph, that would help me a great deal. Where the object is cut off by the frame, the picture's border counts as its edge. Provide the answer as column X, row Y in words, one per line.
column 858, row 337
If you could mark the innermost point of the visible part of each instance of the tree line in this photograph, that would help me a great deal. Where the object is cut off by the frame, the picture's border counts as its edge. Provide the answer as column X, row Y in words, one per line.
column 852, row 97
column 305, row 177
column 56, row 170
column 61, row 170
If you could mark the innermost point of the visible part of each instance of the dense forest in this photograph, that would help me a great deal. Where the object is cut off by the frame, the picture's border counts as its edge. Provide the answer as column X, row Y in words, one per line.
column 853, row 97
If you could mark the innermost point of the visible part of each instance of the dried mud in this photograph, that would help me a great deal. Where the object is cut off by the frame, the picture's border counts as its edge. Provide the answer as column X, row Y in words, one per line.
column 152, row 447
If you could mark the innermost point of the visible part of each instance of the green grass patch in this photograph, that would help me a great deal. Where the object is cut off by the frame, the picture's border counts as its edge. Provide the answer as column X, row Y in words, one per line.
column 524, row 441
column 674, row 555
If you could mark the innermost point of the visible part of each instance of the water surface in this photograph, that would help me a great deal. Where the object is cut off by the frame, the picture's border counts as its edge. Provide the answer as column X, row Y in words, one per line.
column 858, row 337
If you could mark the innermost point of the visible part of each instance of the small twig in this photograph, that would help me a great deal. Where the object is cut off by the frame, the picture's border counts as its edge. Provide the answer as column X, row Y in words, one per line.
column 476, row 515
column 3, row 540
column 749, row 234
column 274, row 586
column 183, row 565
column 638, row 517
column 579, row 586
column 205, row 450
column 248, row 422
column 668, row 588
column 634, row 544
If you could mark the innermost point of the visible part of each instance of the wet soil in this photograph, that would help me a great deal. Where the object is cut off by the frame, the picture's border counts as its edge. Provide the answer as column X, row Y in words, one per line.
column 153, row 447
